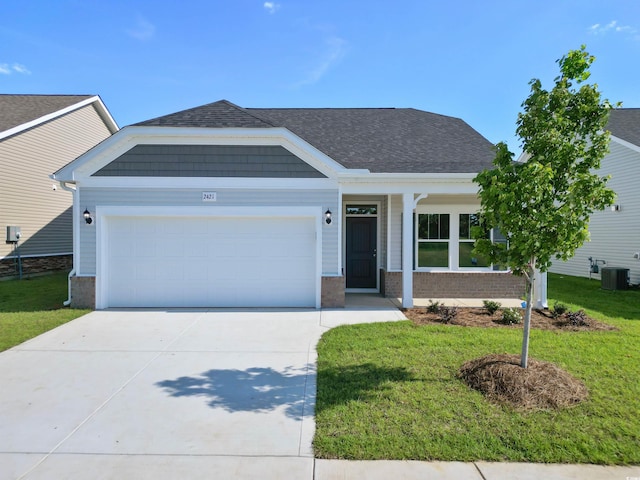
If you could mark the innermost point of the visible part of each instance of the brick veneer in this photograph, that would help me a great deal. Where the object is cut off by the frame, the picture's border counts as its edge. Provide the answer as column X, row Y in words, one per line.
column 83, row 292
column 35, row 265
column 332, row 295
column 455, row 285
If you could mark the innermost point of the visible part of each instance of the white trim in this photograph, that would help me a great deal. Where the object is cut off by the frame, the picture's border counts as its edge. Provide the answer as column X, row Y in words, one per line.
column 396, row 186
column 104, row 153
column 210, row 183
column 407, row 249
column 454, row 212
column 388, row 240
column 102, row 110
column 103, row 213
column 624, row 143
column 35, row 255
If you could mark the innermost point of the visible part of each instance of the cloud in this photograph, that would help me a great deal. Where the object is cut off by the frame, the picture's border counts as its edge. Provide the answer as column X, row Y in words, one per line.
column 271, row 7
column 335, row 50
column 6, row 69
column 143, row 30
column 21, row 69
column 612, row 26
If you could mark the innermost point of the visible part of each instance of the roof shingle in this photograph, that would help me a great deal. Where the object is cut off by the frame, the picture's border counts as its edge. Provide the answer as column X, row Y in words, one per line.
column 382, row 140
column 17, row 110
column 624, row 123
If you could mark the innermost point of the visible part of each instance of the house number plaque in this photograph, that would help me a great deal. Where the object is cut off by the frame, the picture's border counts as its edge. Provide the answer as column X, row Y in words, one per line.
column 208, row 196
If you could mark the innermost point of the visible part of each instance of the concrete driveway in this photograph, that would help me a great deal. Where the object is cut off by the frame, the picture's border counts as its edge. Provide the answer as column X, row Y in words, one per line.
column 166, row 394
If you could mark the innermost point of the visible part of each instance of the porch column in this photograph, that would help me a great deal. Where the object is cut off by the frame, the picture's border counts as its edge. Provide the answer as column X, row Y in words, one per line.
column 407, row 249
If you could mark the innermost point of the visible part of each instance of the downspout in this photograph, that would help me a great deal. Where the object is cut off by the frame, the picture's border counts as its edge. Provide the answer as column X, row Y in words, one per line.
column 73, row 191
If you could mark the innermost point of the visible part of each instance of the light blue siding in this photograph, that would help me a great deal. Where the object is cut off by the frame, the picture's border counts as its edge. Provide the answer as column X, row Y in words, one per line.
column 91, row 197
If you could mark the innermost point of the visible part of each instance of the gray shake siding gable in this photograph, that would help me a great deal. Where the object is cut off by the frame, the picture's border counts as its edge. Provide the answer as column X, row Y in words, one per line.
column 209, row 161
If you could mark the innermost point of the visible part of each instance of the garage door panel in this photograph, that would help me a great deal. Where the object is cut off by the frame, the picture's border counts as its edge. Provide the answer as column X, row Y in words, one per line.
column 210, row 261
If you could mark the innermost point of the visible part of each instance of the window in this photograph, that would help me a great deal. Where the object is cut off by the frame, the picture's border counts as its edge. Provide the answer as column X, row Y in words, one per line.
column 362, row 210
column 433, row 240
column 466, row 241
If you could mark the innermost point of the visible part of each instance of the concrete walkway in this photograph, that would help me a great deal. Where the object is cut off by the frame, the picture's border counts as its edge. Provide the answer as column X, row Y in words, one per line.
column 188, row 394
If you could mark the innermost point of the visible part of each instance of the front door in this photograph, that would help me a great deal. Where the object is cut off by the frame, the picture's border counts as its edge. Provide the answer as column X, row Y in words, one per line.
column 361, row 261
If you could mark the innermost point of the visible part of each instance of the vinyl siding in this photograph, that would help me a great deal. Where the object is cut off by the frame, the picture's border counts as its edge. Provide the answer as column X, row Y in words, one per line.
column 395, row 235
column 615, row 236
column 27, row 198
column 91, row 197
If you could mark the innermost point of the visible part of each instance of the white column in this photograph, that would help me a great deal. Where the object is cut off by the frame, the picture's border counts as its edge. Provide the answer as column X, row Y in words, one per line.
column 407, row 249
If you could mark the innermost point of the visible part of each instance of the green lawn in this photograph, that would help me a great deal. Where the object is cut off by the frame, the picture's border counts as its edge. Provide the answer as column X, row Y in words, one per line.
column 389, row 391
column 31, row 307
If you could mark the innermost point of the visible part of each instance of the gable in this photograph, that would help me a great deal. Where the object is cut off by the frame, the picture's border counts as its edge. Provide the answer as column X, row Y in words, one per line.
column 254, row 161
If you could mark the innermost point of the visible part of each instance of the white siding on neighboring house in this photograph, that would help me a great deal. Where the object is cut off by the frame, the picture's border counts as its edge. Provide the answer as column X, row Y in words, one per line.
column 90, row 197
column 27, row 198
column 615, row 235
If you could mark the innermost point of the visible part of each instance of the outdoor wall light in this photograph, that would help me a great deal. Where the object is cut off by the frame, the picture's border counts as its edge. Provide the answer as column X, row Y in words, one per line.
column 327, row 216
column 87, row 216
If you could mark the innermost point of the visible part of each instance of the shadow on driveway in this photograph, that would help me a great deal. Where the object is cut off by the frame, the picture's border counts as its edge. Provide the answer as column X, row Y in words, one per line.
column 252, row 390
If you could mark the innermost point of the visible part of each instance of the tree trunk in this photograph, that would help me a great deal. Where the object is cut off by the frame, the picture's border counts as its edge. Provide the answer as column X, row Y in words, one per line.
column 524, row 358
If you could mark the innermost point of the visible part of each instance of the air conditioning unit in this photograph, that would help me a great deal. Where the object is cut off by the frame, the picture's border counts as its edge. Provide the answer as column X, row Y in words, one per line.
column 615, row 278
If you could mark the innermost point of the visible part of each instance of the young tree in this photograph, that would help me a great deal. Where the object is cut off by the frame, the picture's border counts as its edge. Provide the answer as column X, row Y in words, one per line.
column 543, row 205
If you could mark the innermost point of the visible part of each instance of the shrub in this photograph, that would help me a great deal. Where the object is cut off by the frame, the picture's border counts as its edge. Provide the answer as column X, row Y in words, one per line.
column 433, row 307
column 447, row 313
column 491, row 306
column 511, row 316
column 578, row 319
column 558, row 309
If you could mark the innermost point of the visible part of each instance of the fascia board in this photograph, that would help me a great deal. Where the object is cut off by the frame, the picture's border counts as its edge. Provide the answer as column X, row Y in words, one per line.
column 104, row 113
column 58, row 113
column 84, row 166
column 210, row 183
column 397, row 183
column 624, row 143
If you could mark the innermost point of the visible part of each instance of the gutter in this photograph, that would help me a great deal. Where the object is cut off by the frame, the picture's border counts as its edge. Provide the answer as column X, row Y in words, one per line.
column 72, row 273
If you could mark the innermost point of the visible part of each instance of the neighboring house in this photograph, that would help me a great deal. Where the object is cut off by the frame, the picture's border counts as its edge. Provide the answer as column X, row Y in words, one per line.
column 225, row 206
column 615, row 231
column 39, row 134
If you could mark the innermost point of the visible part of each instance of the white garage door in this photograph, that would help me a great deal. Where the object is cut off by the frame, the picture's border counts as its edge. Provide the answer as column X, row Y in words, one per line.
column 210, row 262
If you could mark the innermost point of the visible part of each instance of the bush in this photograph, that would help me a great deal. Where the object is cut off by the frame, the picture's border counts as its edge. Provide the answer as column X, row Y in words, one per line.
column 558, row 309
column 491, row 306
column 511, row 316
column 447, row 313
column 578, row 319
column 433, row 307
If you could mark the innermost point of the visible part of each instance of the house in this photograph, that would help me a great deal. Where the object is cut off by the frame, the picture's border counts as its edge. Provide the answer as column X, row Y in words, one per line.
column 615, row 231
column 39, row 134
column 236, row 207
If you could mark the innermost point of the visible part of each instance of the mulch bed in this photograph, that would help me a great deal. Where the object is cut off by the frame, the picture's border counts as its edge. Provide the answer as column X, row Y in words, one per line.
column 478, row 317
column 541, row 385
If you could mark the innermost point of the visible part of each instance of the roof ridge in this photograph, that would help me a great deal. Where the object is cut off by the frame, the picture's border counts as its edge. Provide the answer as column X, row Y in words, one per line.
column 246, row 110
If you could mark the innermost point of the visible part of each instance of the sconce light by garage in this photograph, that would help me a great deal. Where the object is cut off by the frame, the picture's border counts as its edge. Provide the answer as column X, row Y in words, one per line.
column 87, row 216
column 615, row 208
column 327, row 217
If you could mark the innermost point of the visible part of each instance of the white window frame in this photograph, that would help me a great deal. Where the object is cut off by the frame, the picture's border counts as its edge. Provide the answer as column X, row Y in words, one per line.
column 454, row 212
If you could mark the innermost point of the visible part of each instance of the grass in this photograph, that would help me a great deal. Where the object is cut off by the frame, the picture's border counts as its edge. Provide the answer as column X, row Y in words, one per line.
column 390, row 391
column 31, row 307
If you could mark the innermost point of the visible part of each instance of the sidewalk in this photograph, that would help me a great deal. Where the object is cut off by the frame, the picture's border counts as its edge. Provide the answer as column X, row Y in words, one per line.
column 412, row 470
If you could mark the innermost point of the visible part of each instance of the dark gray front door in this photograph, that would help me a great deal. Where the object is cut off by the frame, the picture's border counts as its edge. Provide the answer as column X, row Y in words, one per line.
column 361, row 252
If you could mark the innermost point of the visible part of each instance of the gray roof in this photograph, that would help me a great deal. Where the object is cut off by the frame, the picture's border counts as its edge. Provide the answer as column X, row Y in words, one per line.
column 16, row 110
column 624, row 123
column 383, row 140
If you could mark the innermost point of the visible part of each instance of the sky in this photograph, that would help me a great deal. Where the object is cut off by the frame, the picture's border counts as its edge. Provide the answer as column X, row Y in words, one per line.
column 468, row 59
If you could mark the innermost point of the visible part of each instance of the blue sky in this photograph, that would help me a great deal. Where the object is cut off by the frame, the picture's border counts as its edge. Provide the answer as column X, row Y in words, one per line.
column 468, row 59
